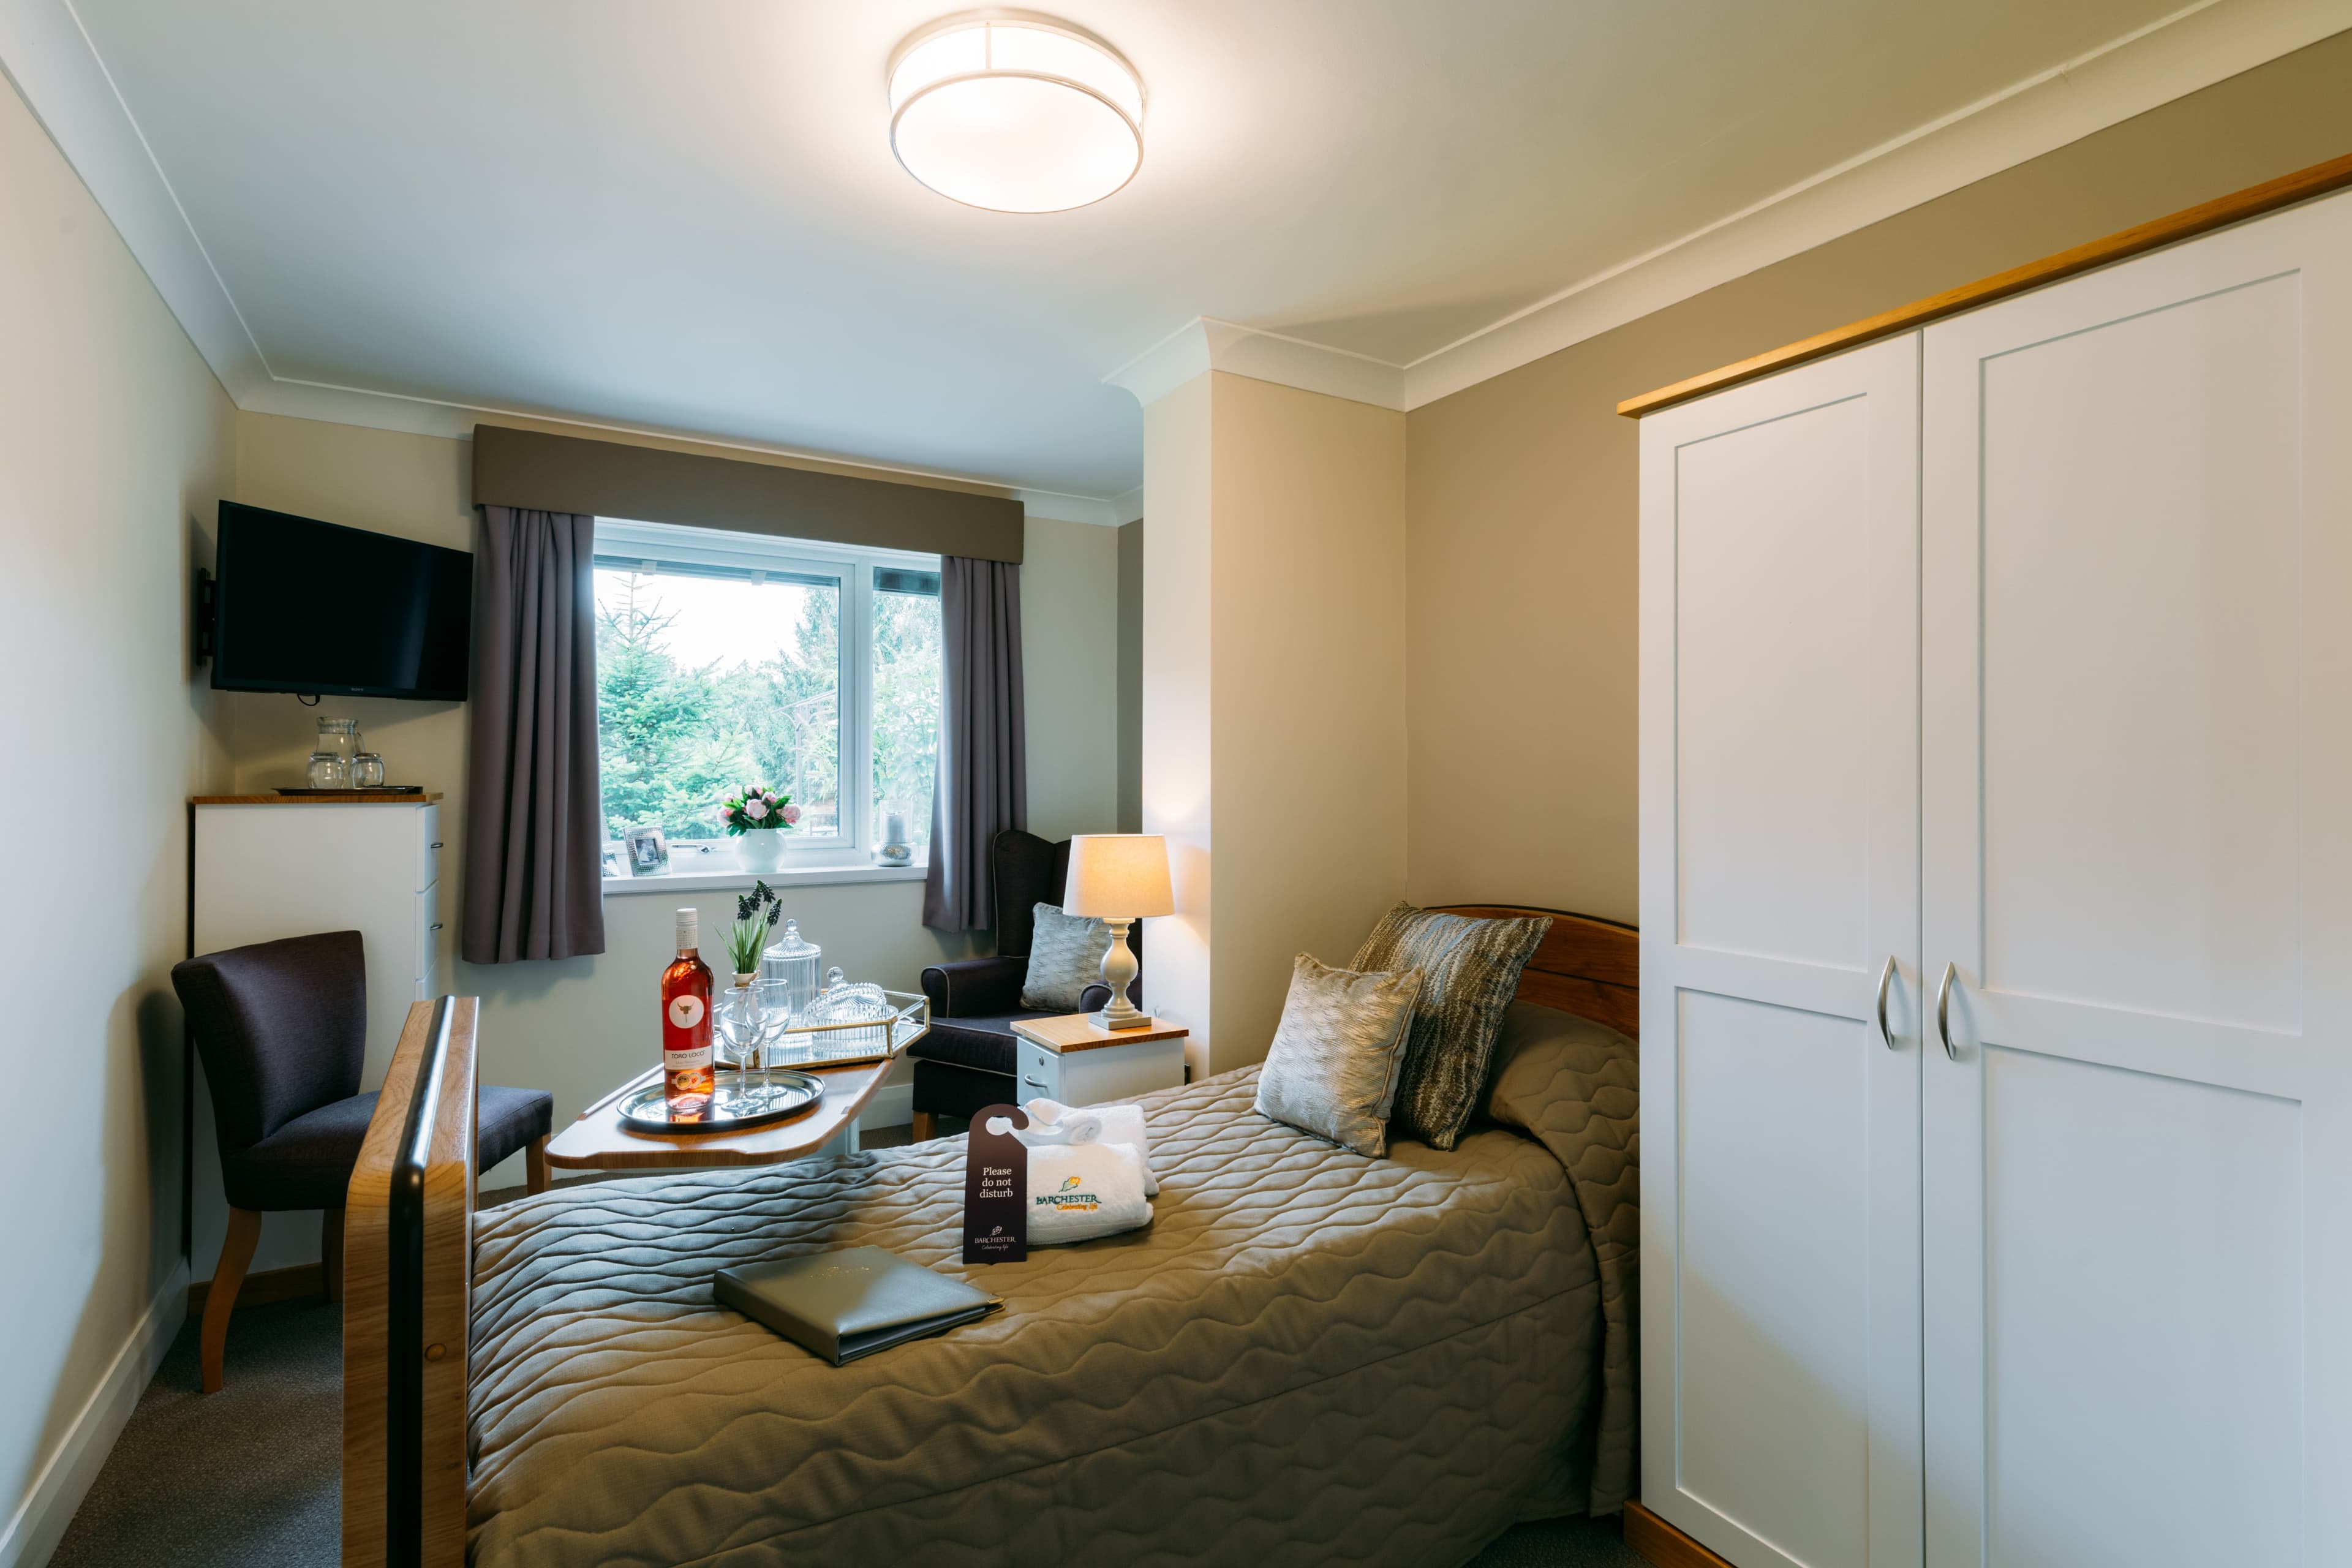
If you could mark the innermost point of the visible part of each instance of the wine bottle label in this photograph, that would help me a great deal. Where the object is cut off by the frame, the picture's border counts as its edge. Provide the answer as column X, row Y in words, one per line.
column 684, row 1060
column 685, row 1012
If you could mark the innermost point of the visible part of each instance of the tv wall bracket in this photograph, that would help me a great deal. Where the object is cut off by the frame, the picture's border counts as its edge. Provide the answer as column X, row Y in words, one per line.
column 207, row 598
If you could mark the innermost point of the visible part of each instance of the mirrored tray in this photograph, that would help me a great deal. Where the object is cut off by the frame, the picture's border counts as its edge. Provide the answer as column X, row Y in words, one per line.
column 737, row 1105
column 847, row 1042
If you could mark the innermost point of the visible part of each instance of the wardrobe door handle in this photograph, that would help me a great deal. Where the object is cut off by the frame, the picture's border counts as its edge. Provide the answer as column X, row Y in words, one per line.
column 1885, row 979
column 1033, row 1083
column 1944, row 1010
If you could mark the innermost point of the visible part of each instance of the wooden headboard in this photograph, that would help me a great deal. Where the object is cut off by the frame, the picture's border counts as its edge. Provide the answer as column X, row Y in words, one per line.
column 1585, row 966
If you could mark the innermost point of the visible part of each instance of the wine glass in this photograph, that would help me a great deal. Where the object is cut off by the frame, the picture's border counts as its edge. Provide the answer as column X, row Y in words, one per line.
column 774, row 998
column 737, row 1022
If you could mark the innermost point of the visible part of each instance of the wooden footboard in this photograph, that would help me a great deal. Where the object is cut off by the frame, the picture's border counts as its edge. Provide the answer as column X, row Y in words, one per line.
column 407, row 1282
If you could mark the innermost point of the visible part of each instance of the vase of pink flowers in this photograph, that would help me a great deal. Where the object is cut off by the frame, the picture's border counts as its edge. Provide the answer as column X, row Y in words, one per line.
column 757, row 820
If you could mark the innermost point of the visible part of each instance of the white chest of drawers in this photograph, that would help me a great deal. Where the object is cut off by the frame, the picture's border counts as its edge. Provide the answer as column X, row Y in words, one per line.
column 277, row 868
column 1068, row 1060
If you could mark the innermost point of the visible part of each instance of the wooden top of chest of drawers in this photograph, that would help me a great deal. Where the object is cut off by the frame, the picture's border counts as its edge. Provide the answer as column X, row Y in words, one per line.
column 355, row 797
column 1075, row 1032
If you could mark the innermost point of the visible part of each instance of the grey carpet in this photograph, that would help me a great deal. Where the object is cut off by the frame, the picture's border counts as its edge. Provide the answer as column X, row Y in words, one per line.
column 249, row 1478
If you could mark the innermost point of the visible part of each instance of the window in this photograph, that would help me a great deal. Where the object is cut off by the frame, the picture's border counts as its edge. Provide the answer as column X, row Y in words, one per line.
column 727, row 659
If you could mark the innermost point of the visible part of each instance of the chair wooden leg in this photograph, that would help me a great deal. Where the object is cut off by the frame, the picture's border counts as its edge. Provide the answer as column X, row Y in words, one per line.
column 330, row 1252
column 926, row 1126
column 228, row 1278
column 534, row 1164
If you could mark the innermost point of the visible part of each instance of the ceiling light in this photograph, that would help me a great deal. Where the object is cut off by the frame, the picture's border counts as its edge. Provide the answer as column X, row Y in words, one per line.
column 1016, row 114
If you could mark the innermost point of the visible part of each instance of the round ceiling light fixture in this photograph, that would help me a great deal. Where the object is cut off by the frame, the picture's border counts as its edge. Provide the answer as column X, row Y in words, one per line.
column 1015, row 114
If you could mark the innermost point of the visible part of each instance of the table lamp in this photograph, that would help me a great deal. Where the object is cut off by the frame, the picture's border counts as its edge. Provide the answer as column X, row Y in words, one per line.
column 1119, row 879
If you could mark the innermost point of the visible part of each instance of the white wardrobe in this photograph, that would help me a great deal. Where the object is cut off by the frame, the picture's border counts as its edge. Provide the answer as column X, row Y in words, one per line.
column 1996, row 763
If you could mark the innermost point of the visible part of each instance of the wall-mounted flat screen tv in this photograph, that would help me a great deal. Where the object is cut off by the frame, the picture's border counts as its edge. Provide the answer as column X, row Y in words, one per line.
column 314, row 607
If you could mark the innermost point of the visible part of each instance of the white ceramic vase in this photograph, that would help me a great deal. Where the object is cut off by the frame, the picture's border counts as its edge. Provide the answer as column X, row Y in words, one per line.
column 760, row 849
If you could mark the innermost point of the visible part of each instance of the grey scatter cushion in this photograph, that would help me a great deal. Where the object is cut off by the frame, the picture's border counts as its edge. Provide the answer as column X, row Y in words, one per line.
column 1066, row 956
column 1470, row 970
column 1333, row 1067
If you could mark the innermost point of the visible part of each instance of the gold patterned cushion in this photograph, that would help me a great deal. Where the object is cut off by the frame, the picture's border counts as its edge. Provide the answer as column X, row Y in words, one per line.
column 1332, row 1070
column 1471, row 972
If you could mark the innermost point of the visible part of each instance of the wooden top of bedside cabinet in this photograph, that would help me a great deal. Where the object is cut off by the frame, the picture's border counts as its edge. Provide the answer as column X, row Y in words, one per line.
column 1075, row 1032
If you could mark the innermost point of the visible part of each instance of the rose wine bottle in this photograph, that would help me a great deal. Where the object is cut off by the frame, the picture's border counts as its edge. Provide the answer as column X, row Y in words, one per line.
column 686, row 1027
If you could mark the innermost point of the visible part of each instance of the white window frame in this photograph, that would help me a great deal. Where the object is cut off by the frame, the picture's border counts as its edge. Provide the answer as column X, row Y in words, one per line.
column 854, row 844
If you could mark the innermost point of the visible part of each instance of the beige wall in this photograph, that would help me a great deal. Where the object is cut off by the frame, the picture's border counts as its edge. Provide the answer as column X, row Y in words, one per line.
column 1069, row 667
column 114, row 441
column 1523, row 493
column 571, row 1027
column 1274, row 739
column 1175, row 743
column 1131, row 677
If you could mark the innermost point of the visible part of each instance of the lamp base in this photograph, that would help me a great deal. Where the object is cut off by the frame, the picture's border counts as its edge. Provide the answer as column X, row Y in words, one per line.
column 1119, row 967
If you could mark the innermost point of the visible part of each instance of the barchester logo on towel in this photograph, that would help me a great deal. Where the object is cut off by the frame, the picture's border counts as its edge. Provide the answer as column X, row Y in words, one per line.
column 1066, row 1200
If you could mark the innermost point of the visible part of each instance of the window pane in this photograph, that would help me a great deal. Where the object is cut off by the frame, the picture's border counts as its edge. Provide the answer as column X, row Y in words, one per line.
column 906, row 699
column 709, row 679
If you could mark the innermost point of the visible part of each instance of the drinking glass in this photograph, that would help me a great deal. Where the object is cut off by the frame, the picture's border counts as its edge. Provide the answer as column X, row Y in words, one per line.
column 773, row 999
column 737, row 1020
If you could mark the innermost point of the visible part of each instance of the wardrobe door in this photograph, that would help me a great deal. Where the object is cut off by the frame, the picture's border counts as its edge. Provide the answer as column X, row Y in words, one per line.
column 2137, row 865
column 1779, row 925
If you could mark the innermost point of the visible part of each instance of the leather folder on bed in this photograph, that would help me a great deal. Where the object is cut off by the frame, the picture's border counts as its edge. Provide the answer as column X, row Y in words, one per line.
column 846, row 1304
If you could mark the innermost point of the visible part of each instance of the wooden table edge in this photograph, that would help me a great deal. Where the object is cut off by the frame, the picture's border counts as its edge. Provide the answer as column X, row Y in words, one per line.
column 1020, row 1028
column 707, row 1149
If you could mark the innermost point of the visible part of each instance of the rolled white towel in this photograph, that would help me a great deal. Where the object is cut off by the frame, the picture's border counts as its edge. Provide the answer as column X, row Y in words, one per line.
column 1080, row 1191
column 1119, row 1124
column 1073, row 1127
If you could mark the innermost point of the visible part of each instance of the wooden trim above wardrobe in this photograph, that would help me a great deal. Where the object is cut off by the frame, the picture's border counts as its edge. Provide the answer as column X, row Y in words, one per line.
column 2190, row 222
column 653, row 484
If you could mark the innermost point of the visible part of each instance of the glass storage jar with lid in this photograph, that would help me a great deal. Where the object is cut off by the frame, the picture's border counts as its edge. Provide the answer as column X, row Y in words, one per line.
column 793, row 959
column 331, row 764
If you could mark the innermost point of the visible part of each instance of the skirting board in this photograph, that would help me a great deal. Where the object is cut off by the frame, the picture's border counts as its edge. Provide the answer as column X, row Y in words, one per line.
column 1649, row 1536
column 40, row 1520
column 288, row 1284
column 893, row 1105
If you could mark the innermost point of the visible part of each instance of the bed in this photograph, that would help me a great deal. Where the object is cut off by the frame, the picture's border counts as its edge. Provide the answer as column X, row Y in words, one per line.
column 1309, row 1356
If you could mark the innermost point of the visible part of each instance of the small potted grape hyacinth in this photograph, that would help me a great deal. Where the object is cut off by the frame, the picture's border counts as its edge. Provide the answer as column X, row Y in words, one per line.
column 755, row 917
column 757, row 820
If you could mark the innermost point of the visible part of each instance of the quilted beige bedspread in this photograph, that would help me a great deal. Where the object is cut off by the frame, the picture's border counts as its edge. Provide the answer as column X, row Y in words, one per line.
column 1308, row 1357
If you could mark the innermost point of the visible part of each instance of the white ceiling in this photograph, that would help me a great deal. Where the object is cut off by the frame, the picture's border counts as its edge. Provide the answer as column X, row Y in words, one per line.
column 684, row 214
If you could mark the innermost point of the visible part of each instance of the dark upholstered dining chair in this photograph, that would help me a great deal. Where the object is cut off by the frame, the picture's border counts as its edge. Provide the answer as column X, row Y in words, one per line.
column 282, row 1028
column 967, row 1061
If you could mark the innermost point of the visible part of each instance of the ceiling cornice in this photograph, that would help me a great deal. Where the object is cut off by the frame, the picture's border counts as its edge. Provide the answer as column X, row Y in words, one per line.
column 48, row 57
column 1206, row 344
column 2193, row 48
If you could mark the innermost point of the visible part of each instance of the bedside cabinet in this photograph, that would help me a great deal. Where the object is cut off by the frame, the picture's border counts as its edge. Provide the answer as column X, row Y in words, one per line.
column 1068, row 1060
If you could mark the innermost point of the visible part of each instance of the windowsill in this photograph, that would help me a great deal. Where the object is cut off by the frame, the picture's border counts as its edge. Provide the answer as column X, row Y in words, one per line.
column 732, row 880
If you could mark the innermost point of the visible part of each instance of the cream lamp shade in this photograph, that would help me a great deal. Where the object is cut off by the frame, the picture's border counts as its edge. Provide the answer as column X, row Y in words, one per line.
column 1118, row 876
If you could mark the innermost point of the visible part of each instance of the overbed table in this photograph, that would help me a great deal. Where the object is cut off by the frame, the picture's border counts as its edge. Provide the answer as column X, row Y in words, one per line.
column 598, row 1140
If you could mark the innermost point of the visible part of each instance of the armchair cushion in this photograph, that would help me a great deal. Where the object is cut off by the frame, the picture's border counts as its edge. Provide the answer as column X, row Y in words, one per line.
column 986, row 1045
column 306, row 1163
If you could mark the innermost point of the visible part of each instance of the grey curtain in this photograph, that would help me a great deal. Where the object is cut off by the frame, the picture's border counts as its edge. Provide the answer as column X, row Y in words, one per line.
column 534, row 831
column 982, row 786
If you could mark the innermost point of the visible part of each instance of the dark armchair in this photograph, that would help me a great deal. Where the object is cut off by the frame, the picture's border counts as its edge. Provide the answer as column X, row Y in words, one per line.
column 966, row 1062
column 282, row 1028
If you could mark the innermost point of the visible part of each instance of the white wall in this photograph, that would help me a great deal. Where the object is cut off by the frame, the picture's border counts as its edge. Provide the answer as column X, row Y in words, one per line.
column 577, row 1027
column 114, row 440
column 1273, row 676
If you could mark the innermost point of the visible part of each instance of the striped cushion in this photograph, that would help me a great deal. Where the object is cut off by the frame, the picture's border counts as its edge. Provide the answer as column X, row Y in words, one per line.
column 1470, row 970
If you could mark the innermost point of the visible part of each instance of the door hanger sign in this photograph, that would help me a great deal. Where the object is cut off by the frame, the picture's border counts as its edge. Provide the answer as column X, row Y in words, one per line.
column 995, row 1189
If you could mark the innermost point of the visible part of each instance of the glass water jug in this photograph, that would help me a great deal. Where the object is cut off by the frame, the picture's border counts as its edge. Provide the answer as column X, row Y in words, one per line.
column 331, row 764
